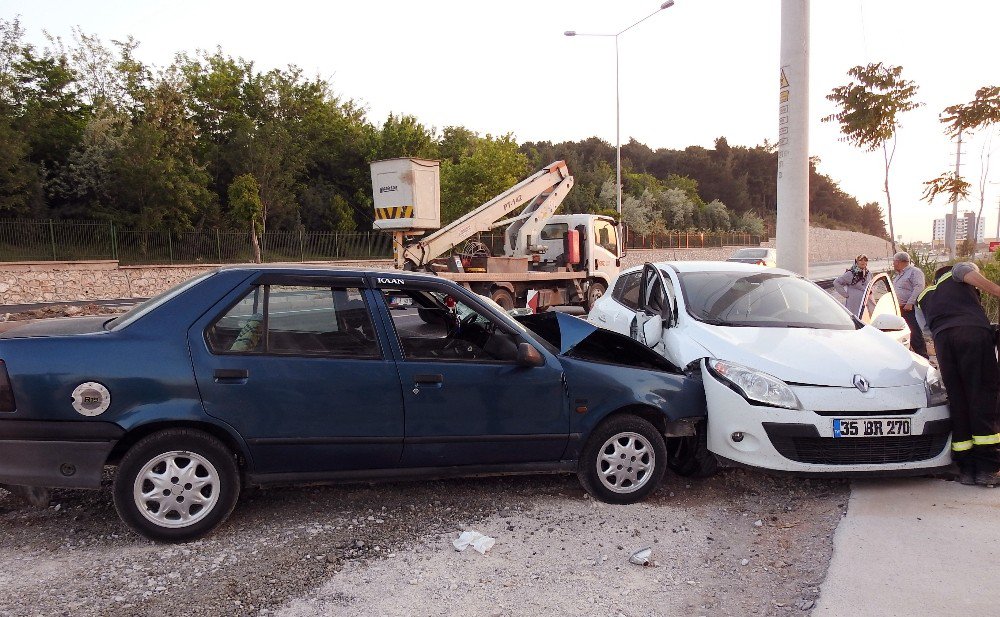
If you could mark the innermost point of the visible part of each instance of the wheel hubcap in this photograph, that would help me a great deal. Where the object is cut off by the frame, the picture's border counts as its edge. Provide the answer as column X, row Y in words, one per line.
column 176, row 489
column 625, row 462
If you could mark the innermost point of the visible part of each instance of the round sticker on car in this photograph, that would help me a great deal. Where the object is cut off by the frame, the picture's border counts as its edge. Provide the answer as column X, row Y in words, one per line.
column 91, row 399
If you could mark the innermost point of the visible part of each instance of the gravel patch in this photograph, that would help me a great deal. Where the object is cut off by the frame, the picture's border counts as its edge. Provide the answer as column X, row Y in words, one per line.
column 739, row 543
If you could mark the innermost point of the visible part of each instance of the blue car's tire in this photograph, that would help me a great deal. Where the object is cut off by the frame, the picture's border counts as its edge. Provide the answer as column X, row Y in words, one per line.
column 623, row 461
column 176, row 485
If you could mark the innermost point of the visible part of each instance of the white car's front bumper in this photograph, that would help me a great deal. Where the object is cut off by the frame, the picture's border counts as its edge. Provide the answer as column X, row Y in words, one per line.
column 801, row 440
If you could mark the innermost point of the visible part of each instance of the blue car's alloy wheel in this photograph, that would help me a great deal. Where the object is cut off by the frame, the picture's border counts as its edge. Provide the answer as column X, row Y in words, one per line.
column 623, row 461
column 626, row 462
column 176, row 489
column 176, row 485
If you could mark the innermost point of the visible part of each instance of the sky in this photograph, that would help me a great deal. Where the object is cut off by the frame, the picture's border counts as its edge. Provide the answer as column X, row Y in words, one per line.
column 699, row 70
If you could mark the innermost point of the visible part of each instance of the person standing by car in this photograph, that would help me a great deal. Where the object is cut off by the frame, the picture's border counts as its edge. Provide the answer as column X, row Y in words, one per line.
column 852, row 284
column 909, row 282
column 965, row 345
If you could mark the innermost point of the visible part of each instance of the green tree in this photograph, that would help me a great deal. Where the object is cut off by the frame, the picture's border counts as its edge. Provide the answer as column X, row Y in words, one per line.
column 981, row 112
column 950, row 184
column 246, row 206
column 870, row 106
column 456, row 142
column 494, row 166
column 637, row 212
column 404, row 136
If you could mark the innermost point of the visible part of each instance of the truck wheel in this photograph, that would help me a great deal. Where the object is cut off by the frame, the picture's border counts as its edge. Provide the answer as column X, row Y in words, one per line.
column 176, row 485
column 594, row 293
column 623, row 461
column 502, row 297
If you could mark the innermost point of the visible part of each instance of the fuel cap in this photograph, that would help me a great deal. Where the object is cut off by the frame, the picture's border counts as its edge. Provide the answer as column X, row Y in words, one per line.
column 91, row 399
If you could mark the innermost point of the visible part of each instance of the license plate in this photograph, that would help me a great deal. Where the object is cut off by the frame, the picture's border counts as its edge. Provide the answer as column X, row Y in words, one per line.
column 871, row 427
column 403, row 301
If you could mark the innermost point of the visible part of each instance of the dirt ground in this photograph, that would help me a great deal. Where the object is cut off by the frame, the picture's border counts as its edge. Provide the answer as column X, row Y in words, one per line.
column 739, row 543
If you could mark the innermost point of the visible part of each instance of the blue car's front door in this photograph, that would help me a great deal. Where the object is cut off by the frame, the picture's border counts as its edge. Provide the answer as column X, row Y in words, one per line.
column 467, row 399
column 296, row 366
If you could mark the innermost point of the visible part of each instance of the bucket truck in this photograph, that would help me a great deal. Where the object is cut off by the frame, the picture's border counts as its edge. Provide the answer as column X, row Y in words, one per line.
column 548, row 259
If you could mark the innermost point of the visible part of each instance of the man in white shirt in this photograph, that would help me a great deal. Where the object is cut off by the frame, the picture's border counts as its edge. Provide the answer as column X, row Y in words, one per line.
column 909, row 282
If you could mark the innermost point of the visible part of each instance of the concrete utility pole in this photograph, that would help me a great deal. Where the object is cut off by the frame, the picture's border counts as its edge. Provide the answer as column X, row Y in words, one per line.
column 793, row 139
column 953, row 234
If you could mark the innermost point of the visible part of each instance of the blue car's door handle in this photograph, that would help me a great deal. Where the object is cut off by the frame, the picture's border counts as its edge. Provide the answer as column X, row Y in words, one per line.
column 230, row 374
column 428, row 380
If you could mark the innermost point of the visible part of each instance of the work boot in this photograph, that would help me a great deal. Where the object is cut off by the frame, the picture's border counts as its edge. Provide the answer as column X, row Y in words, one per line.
column 967, row 475
column 988, row 478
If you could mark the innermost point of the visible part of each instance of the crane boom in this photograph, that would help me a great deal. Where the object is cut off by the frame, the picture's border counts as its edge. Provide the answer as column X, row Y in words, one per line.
column 538, row 196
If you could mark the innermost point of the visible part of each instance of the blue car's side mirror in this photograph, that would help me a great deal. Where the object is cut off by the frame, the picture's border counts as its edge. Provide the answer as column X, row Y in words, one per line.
column 527, row 355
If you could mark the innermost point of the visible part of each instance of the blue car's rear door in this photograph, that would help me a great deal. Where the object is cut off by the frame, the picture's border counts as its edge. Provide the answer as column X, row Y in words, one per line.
column 297, row 367
column 467, row 400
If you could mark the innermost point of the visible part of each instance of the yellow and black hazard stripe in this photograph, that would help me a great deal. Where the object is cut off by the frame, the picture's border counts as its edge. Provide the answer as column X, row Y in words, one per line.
column 394, row 212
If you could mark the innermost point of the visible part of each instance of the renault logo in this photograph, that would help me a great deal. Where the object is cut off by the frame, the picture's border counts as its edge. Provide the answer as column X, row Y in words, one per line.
column 861, row 383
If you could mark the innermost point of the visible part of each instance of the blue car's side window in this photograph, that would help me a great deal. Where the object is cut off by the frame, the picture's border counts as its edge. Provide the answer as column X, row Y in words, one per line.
column 436, row 326
column 297, row 320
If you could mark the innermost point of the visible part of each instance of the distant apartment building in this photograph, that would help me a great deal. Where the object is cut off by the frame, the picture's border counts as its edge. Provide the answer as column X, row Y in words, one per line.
column 966, row 222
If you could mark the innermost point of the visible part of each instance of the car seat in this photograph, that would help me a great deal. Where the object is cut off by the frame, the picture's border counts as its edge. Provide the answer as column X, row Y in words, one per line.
column 250, row 334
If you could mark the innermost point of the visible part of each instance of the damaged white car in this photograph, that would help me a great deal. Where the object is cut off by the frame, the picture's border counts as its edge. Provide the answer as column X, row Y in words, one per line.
column 792, row 381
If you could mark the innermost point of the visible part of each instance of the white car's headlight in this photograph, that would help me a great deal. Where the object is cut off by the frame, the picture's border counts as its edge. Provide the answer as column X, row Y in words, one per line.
column 754, row 385
column 936, row 394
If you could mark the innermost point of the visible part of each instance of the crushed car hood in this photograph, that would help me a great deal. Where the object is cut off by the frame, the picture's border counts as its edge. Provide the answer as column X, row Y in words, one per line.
column 816, row 357
column 576, row 338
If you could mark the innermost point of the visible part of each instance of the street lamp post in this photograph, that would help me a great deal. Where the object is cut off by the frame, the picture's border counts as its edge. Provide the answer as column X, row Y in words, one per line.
column 618, row 124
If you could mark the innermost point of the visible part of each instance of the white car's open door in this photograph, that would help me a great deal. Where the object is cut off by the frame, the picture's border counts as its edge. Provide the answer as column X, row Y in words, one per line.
column 881, row 302
column 656, row 310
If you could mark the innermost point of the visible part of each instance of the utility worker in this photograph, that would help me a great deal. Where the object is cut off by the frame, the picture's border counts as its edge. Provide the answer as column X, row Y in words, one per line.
column 909, row 282
column 965, row 345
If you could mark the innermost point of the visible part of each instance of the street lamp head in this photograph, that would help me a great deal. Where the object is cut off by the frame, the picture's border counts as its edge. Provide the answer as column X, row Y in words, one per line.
column 570, row 33
column 667, row 4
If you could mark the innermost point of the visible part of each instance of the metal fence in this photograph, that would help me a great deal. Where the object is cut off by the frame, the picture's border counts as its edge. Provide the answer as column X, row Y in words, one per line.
column 671, row 240
column 73, row 241
column 53, row 240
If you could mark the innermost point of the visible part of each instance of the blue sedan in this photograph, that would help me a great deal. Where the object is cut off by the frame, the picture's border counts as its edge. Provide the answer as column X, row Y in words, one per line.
column 250, row 376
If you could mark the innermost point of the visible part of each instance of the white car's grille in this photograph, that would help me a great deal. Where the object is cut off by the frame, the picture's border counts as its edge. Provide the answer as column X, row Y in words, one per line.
column 851, row 401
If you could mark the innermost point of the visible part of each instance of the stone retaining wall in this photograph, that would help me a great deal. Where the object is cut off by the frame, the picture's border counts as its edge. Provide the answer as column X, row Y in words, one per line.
column 28, row 283
column 824, row 245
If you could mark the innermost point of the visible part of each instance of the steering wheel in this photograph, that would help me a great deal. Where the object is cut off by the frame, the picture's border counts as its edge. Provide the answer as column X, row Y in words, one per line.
column 467, row 321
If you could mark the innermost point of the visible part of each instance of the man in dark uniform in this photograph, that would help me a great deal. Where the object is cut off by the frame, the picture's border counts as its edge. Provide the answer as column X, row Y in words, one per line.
column 965, row 345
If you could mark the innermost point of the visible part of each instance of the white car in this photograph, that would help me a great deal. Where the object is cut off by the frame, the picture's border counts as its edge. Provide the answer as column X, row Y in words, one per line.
column 757, row 256
column 792, row 381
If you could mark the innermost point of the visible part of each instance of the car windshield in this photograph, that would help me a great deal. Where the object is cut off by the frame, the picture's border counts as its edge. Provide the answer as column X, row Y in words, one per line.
column 761, row 299
column 751, row 253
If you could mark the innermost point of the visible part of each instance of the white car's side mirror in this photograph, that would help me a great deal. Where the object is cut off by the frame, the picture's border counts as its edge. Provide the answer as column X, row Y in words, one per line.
column 888, row 322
